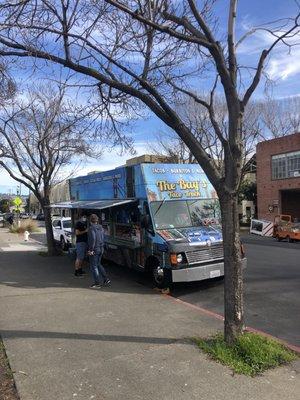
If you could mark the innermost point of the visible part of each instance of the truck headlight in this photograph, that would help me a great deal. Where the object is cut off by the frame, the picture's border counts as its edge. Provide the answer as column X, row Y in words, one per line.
column 179, row 258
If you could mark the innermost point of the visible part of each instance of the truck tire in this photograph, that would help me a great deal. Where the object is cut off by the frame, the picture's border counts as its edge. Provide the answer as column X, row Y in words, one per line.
column 290, row 240
column 162, row 277
column 278, row 238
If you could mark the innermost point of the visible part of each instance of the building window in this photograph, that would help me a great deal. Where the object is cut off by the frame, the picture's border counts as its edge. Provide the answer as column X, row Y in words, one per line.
column 286, row 165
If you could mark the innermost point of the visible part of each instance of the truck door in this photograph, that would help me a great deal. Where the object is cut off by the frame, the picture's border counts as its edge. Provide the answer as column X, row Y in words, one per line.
column 147, row 230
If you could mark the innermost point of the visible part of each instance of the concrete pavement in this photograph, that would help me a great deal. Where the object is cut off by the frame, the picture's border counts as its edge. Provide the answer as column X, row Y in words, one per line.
column 65, row 341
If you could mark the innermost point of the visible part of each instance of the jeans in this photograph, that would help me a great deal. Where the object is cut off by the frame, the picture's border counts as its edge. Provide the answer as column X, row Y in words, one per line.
column 81, row 250
column 97, row 269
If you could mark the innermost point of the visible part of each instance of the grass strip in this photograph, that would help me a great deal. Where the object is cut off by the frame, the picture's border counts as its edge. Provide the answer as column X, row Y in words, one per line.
column 251, row 355
column 8, row 389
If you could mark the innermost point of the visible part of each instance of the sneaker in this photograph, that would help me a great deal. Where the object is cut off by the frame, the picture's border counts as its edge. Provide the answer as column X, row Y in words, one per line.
column 107, row 282
column 95, row 286
column 78, row 274
column 81, row 272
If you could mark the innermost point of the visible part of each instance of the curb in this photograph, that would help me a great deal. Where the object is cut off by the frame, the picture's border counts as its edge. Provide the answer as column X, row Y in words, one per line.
column 220, row 317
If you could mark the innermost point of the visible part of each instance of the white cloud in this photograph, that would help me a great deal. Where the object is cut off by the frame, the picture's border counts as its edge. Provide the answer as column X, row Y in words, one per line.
column 283, row 62
column 284, row 65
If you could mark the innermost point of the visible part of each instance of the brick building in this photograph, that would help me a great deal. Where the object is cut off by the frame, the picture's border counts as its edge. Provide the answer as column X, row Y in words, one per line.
column 278, row 177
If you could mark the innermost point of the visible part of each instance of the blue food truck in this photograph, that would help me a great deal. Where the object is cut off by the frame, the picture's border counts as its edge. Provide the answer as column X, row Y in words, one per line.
column 163, row 219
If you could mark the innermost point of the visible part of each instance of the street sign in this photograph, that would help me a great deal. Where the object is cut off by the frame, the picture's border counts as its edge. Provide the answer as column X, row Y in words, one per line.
column 17, row 202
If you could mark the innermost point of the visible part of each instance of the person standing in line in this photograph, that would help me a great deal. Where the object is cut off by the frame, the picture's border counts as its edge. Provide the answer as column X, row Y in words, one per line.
column 81, row 233
column 10, row 220
column 95, row 251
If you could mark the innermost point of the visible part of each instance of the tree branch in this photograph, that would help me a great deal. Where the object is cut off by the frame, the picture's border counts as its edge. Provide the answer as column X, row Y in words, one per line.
column 261, row 62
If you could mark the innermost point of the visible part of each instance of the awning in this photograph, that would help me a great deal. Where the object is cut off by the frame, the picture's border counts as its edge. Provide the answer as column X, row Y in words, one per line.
column 91, row 205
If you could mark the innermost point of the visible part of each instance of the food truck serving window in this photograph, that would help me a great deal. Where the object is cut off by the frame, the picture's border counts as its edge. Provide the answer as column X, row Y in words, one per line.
column 185, row 213
column 126, row 219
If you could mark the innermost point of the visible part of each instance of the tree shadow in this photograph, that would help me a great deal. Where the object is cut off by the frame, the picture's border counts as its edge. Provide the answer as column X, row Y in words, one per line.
column 21, row 334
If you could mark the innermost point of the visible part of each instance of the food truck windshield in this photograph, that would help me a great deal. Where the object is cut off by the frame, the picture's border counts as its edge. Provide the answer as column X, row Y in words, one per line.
column 185, row 213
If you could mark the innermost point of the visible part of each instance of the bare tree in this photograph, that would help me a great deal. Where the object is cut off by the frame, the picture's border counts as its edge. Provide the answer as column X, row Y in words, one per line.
column 197, row 118
column 168, row 144
column 280, row 117
column 155, row 52
column 7, row 84
column 264, row 119
column 38, row 138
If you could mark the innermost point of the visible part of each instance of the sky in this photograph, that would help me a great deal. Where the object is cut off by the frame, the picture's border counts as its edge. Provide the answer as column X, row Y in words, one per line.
column 283, row 68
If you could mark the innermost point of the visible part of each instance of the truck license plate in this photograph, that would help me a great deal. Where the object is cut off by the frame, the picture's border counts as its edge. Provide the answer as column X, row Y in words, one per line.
column 215, row 273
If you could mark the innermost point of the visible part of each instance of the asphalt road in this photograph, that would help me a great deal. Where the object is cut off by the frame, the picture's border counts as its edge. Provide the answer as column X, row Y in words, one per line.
column 272, row 287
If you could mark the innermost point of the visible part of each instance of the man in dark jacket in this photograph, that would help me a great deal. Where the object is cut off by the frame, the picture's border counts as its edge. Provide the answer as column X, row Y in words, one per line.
column 95, row 251
column 81, row 233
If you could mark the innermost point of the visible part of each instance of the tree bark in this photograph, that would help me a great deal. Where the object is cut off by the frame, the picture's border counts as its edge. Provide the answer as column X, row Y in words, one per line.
column 52, row 249
column 233, row 283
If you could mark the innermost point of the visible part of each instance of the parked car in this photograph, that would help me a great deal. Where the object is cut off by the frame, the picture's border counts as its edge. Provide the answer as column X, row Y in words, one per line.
column 24, row 216
column 62, row 231
column 40, row 217
column 9, row 217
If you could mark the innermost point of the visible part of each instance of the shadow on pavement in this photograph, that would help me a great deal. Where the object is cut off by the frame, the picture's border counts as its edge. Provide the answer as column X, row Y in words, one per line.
column 29, row 270
column 15, row 334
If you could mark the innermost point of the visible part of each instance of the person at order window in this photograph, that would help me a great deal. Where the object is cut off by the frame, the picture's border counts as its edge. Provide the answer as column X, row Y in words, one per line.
column 81, row 233
column 95, row 251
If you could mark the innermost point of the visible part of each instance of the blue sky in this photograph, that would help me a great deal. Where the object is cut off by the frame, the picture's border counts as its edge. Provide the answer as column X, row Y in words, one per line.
column 284, row 69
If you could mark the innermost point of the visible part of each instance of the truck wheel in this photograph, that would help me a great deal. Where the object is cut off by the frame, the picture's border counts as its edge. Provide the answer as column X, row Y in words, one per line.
column 278, row 238
column 162, row 277
column 290, row 240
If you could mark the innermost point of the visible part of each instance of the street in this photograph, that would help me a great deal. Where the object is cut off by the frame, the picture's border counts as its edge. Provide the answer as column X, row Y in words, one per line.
column 272, row 287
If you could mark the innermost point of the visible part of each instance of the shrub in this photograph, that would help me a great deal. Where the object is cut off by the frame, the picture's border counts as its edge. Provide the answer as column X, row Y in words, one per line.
column 25, row 225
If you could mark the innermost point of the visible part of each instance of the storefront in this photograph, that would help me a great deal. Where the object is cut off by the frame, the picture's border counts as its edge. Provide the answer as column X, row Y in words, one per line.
column 278, row 177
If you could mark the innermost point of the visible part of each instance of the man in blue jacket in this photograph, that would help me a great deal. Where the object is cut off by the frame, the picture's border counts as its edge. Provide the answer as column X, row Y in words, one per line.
column 95, row 251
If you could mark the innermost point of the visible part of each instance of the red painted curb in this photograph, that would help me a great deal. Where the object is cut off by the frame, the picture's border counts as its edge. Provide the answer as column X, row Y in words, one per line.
column 221, row 318
column 197, row 308
column 296, row 349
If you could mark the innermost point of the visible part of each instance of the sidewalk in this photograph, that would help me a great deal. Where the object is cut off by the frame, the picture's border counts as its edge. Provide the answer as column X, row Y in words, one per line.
column 65, row 341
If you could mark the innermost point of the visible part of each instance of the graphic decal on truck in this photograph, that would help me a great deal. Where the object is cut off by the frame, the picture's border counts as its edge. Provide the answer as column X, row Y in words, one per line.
column 201, row 235
column 170, row 182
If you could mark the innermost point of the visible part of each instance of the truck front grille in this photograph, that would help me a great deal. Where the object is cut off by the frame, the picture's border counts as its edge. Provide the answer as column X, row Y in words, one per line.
column 214, row 252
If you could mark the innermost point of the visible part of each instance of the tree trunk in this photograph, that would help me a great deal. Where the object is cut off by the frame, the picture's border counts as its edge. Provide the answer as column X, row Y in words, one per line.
column 52, row 249
column 233, row 284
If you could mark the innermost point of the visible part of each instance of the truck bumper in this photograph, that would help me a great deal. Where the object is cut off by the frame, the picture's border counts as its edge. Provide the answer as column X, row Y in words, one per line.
column 201, row 272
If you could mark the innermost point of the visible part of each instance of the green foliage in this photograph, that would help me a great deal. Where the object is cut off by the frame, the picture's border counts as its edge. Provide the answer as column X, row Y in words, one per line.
column 251, row 355
column 5, row 205
column 248, row 191
column 4, row 364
